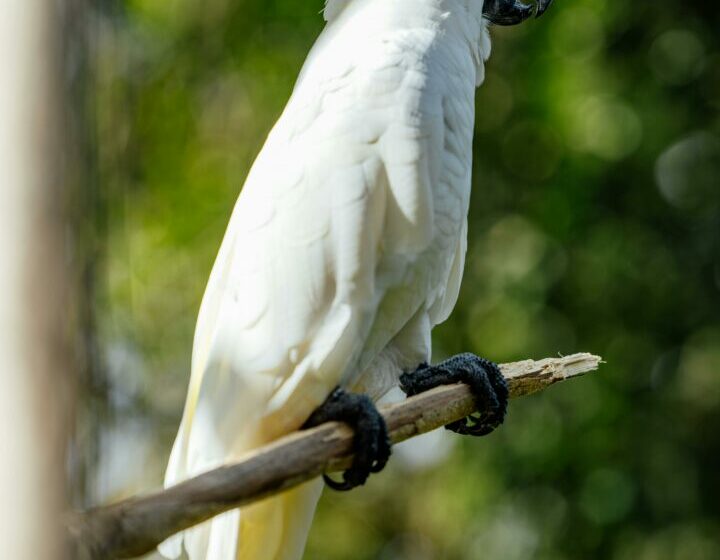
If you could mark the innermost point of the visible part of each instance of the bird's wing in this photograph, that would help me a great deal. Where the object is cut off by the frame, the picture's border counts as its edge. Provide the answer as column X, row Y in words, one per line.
column 285, row 306
column 293, row 292
column 329, row 229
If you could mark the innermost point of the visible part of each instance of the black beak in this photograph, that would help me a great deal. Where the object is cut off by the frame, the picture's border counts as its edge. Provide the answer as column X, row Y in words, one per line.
column 512, row 12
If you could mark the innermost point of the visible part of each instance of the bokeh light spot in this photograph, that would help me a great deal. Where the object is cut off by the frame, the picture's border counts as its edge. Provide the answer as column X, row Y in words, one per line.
column 677, row 57
column 699, row 371
column 607, row 127
column 688, row 173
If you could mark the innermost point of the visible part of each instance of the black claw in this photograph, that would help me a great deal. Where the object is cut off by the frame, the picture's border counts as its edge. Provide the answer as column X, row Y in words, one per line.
column 485, row 380
column 371, row 443
column 343, row 486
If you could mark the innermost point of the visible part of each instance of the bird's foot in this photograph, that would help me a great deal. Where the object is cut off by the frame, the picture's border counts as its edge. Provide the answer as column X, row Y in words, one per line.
column 485, row 380
column 371, row 443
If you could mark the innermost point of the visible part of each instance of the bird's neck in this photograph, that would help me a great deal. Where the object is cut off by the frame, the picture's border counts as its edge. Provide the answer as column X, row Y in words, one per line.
column 461, row 19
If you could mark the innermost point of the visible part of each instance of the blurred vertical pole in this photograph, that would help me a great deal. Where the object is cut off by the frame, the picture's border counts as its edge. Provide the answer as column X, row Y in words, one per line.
column 36, row 361
column 86, row 211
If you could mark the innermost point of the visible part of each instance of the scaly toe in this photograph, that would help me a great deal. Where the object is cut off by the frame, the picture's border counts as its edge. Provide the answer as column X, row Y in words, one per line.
column 486, row 383
column 371, row 443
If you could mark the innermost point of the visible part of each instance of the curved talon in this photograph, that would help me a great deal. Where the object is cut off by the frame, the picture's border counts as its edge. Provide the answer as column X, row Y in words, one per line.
column 371, row 442
column 485, row 380
column 342, row 486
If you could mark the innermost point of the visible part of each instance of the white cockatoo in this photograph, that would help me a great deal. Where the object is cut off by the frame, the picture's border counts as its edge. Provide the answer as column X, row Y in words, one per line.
column 345, row 248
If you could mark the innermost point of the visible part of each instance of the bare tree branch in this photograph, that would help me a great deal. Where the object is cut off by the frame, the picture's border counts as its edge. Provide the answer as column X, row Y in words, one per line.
column 136, row 526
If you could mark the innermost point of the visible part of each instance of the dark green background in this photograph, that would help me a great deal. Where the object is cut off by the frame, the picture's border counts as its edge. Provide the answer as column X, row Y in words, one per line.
column 594, row 226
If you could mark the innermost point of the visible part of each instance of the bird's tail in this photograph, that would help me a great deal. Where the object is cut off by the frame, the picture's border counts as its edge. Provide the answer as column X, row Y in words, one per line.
column 273, row 529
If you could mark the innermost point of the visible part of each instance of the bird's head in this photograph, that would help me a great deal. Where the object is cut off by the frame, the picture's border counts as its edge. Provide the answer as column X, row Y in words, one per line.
column 512, row 12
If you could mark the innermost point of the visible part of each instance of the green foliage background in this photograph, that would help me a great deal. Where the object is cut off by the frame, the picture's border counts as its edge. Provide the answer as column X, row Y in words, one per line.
column 595, row 226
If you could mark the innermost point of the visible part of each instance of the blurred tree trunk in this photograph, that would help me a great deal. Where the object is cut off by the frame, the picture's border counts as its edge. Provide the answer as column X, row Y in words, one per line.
column 36, row 321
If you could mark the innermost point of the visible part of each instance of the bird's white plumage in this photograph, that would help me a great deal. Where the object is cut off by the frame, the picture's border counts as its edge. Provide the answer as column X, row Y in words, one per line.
column 345, row 248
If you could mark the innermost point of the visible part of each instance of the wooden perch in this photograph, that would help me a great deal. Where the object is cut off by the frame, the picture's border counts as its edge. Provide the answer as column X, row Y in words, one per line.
column 136, row 526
